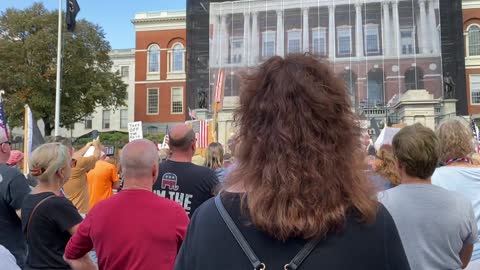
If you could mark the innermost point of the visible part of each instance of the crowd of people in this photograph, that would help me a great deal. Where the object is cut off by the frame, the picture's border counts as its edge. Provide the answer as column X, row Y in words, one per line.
column 296, row 188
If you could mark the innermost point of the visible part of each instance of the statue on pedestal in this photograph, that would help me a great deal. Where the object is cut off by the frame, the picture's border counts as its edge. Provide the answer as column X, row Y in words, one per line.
column 448, row 86
column 202, row 99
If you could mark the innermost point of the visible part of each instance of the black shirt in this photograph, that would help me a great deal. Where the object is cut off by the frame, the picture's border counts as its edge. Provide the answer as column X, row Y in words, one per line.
column 186, row 183
column 358, row 246
column 13, row 190
column 48, row 232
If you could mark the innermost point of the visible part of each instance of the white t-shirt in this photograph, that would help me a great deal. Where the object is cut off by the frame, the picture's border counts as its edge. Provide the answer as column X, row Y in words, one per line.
column 7, row 261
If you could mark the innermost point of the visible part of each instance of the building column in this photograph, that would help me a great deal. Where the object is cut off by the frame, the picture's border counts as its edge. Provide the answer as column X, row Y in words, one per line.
column 387, row 37
column 215, row 53
column 306, row 31
column 280, row 34
column 246, row 38
column 331, row 32
column 254, row 39
column 396, row 29
column 359, row 30
column 224, row 41
column 423, row 35
column 432, row 25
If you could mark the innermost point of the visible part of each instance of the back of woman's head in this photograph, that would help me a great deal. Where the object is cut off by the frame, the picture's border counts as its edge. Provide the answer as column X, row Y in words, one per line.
column 214, row 159
column 386, row 166
column 300, row 158
column 47, row 159
column 455, row 139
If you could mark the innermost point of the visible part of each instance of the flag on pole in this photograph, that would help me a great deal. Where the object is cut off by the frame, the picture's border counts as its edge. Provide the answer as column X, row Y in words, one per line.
column 3, row 121
column 219, row 86
column 192, row 114
column 166, row 140
column 202, row 136
column 32, row 137
column 72, row 10
column 476, row 135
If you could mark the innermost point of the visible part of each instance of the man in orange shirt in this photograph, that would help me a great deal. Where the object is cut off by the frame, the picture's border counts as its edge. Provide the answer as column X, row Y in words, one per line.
column 101, row 180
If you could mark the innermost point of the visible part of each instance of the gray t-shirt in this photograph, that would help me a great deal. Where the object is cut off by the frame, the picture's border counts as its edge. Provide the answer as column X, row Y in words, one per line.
column 7, row 261
column 433, row 223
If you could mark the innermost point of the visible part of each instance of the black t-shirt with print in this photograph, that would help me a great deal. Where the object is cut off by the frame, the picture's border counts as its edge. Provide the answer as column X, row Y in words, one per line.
column 13, row 190
column 48, row 232
column 359, row 246
column 186, row 183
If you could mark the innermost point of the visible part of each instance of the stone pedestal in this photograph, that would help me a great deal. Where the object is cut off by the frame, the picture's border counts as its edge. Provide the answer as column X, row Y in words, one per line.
column 202, row 114
column 417, row 106
column 449, row 108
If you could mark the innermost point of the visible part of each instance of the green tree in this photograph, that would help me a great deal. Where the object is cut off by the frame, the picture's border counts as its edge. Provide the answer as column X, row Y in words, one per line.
column 28, row 52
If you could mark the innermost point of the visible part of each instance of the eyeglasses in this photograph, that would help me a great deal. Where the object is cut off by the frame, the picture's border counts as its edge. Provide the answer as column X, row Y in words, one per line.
column 6, row 142
column 73, row 163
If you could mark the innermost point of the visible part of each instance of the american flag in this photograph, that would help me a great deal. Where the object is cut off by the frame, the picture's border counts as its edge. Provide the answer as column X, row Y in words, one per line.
column 192, row 114
column 476, row 135
column 3, row 122
column 202, row 136
column 219, row 86
column 166, row 139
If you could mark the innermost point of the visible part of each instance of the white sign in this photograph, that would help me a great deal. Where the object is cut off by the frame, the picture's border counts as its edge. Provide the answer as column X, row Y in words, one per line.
column 386, row 137
column 135, row 131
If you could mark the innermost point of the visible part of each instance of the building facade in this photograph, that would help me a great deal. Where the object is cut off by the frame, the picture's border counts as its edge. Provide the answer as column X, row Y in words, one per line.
column 471, row 32
column 103, row 119
column 160, row 80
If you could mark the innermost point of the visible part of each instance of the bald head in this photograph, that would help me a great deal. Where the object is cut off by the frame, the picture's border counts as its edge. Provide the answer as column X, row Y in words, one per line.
column 4, row 148
column 181, row 137
column 139, row 159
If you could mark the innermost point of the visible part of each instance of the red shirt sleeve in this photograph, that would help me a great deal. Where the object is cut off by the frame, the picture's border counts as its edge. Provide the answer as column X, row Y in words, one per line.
column 182, row 226
column 80, row 243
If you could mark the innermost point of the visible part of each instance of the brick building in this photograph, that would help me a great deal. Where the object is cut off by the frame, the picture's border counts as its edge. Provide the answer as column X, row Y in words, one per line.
column 471, row 31
column 160, row 80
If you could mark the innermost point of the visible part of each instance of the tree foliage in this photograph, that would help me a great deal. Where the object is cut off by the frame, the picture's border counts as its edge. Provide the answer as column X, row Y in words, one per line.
column 28, row 52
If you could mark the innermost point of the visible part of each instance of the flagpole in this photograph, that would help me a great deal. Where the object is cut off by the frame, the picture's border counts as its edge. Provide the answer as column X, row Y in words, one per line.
column 59, row 68
column 25, row 142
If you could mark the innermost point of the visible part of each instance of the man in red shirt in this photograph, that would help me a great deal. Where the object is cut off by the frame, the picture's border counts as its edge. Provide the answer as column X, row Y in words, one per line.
column 135, row 229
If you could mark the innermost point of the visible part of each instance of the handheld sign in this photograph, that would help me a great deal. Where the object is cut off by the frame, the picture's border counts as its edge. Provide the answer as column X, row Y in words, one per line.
column 386, row 137
column 135, row 131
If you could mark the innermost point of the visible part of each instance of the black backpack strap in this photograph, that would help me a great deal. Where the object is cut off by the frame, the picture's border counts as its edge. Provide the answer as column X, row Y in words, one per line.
column 294, row 263
column 302, row 255
column 257, row 265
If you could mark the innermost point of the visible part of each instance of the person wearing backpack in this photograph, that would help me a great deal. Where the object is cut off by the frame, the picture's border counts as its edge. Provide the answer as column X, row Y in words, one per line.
column 298, row 198
column 48, row 219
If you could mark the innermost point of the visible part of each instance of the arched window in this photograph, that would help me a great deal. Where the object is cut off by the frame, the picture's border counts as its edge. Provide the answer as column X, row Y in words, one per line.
column 154, row 58
column 474, row 40
column 178, row 58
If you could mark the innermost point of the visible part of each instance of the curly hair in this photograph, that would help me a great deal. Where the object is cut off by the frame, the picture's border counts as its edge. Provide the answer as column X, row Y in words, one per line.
column 300, row 161
column 455, row 139
column 385, row 166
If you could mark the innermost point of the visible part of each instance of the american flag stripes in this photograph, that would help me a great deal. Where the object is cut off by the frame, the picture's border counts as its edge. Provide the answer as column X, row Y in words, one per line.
column 476, row 135
column 3, row 121
column 202, row 139
column 219, row 86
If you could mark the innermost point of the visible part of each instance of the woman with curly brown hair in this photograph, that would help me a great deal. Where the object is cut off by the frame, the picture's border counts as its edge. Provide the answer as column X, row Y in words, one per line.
column 298, row 184
column 459, row 173
column 385, row 174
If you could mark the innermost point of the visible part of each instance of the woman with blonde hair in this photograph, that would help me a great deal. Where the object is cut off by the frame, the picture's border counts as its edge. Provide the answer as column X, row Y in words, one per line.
column 385, row 174
column 48, row 219
column 214, row 160
column 459, row 173
column 298, row 185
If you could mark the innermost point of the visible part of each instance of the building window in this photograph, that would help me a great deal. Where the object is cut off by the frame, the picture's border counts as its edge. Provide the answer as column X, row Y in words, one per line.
column 124, row 71
column 236, row 47
column 154, row 59
column 372, row 40
column 407, row 37
column 152, row 101
column 123, row 118
column 178, row 58
column 294, row 41
column 88, row 122
column 106, row 119
column 475, row 89
column 344, row 39
column 319, row 41
column 177, row 100
column 474, row 40
column 268, row 44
